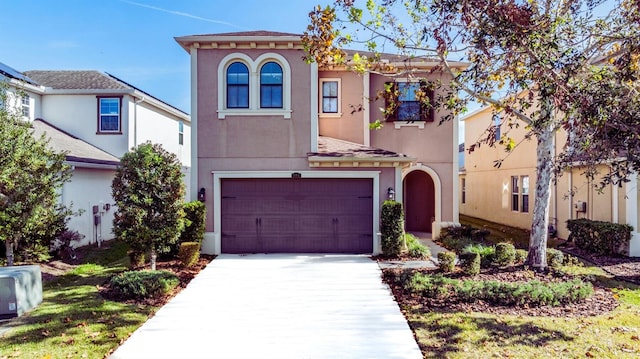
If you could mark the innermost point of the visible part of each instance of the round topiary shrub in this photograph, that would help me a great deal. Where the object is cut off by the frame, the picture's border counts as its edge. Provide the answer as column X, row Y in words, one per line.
column 521, row 255
column 504, row 255
column 189, row 253
column 143, row 284
column 470, row 263
column 136, row 258
column 447, row 261
column 555, row 258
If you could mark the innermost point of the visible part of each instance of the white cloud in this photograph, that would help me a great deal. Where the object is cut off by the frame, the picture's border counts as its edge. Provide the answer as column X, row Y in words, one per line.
column 180, row 13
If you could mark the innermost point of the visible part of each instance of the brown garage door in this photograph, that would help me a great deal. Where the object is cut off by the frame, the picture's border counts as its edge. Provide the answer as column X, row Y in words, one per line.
column 297, row 216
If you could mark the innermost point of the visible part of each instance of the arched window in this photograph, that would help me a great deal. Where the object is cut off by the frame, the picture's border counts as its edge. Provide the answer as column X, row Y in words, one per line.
column 271, row 85
column 237, row 86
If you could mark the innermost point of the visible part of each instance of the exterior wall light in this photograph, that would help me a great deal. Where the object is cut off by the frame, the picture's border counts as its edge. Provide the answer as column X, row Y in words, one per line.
column 391, row 194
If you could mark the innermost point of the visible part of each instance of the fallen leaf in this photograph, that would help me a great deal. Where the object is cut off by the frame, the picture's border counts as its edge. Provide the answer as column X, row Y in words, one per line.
column 45, row 333
column 589, row 355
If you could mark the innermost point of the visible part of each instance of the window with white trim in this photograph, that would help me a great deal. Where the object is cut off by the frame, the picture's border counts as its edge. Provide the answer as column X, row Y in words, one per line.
column 26, row 106
column 254, row 87
column 181, row 133
column 409, row 101
column 109, row 114
column 497, row 122
column 463, row 186
column 330, row 96
column 520, row 194
column 237, row 86
column 271, row 85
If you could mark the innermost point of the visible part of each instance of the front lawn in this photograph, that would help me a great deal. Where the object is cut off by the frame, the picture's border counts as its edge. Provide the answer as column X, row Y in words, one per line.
column 74, row 320
column 473, row 331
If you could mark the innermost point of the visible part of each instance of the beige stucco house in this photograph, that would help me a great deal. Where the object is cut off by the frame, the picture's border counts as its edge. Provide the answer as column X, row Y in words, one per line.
column 505, row 194
column 284, row 163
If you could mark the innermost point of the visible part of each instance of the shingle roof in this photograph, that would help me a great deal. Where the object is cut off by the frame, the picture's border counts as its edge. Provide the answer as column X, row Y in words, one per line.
column 76, row 80
column 333, row 147
column 77, row 149
column 252, row 33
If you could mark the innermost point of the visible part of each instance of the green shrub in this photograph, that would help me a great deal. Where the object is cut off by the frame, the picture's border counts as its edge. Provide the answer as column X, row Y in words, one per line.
column 391, row 227
column 470, row 263
column 456, row 244
column 457, row 232
column 521, row 255
column 447, row 261
column 480, row 235
column 505, row 254
column 532, row 293
column 194, row 213
column 570, row 260
column 486, row 253
column 415, row 249
column 189, row 253
column 136, row 258
column 143, row 284
column 600, row 237
column 555, row 258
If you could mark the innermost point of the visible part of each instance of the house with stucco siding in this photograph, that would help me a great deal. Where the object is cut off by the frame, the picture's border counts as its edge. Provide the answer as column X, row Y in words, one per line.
column 283, row 162
column 96, row 118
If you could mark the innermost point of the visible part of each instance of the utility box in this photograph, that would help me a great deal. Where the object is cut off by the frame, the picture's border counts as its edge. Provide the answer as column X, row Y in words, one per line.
column 20, row 290
column 580, row 206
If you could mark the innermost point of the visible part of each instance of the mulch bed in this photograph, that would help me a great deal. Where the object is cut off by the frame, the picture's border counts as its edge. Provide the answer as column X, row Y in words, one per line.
column 601, row 302
column 621, row 267
column 184, row 274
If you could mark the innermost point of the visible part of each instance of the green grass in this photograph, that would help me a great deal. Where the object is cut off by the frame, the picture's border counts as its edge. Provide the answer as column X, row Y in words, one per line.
column 74, row 321
column 481, row 335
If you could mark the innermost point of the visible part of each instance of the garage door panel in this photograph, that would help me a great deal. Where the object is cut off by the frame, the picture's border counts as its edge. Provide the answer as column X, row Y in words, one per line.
column 297, row 215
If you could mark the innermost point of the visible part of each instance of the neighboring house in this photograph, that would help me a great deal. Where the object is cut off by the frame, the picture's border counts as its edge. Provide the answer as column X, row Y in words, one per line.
column 284, row 164
column 98, row 118
column 506, row 194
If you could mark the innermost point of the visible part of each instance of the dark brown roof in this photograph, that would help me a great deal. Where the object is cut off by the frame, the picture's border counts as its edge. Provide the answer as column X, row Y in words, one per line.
column 77, row 150
column 334, row 148
column 76, row 80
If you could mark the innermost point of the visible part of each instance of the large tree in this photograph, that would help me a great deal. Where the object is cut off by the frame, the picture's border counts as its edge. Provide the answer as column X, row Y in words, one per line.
column 31, row 175
column 546, row 65
column 149, row 191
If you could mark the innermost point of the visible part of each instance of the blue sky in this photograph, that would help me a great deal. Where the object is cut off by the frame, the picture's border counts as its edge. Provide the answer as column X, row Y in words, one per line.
column 133, row 40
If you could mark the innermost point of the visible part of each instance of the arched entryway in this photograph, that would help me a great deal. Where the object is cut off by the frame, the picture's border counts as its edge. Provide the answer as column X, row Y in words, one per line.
column 419, row 201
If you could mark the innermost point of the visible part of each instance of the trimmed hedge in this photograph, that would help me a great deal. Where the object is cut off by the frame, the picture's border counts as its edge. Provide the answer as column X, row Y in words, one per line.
column 447, row 261
column 486, row 253
column 505, row 254
column 189, row 253
column 532, row 293
column 600, row 237
column 470, row 263
column 194, row 214
column 143, row 284
column 521, row 256
column 391, row 227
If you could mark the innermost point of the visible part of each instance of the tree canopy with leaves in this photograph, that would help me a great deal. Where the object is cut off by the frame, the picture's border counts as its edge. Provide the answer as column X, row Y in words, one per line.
column 149, row 191
column 31, row 175
column 546, row 65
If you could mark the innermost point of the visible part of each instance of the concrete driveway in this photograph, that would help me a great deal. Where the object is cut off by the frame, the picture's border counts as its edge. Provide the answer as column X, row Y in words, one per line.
column 278, row 306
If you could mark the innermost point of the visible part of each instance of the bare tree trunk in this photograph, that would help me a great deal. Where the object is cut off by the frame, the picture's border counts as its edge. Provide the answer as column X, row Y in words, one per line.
column 154, row 256
column 537, row 257
column 8, row 243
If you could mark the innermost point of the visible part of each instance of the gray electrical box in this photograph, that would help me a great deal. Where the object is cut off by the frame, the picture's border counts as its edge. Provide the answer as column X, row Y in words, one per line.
column 20, row 290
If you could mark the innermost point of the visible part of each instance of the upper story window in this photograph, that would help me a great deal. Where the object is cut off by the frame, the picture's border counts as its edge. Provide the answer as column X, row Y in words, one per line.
column 330, row 92
column 109, row 116
column 26, row 106
column 181, row 133
column 271, row 85
column 254, row 87
column 238, row 86
column 409, row 101
column 497, row 121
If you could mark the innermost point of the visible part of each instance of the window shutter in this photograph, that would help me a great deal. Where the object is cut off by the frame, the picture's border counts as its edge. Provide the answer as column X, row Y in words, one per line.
column 391, row 101
column 427, row 112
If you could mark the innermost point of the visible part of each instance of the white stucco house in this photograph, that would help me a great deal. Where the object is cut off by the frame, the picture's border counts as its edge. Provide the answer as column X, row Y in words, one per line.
column 96, row 118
